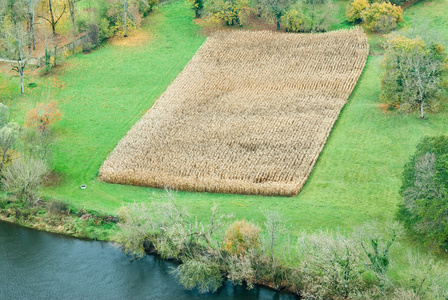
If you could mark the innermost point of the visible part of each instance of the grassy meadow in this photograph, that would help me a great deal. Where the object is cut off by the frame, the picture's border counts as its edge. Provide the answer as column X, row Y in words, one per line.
column 102, row 94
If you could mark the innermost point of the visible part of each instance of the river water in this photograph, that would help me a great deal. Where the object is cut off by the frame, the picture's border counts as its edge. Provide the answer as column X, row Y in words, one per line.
column 40, row 265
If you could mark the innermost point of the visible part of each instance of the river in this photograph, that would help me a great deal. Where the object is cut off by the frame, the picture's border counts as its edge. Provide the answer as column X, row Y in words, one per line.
column 40, row 265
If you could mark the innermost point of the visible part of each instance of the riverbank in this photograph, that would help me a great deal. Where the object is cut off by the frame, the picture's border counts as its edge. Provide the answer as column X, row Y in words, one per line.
column 61, row 218
column 38, row 265
column 356, row 178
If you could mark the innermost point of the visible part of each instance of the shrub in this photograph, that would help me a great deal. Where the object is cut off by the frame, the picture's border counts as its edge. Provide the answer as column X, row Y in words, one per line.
column 240, row 269
column 105, row 31
column 424, row 279
column 24, row 176
column 93, row 34
column 204, row 276
column 9, row 134
column 292, row 21
column 425, row 191
column 331, row 266
column 3, row 115
column 56, row 207
column 355, row 9
column 43, row 116
column 146, row 6
column 135, row 226
column 242, row 236
column 382, row 17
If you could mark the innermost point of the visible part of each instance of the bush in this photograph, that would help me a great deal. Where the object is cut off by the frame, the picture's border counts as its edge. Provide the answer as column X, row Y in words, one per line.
column 425, row 191
column 355, row 9
column 241, row 237
column 145, row 7
column 382, row 17
column 105, row 31
column 331, row 266
column 424, row 279
column 56, row 207
column 9, row 134
column 292, row 21
column 240, row 269
column 135, row 227
column 93, row 34
column 24, row 176
column 4, row 115
column 204, row 276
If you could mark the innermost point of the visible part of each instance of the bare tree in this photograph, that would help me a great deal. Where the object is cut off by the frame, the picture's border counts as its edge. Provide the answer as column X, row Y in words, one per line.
column 15, row 38
column 28, row 8
column 71, row 7
column 125, row 4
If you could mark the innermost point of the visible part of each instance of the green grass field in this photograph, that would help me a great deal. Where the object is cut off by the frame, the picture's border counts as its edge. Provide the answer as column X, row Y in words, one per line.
column 102, row 94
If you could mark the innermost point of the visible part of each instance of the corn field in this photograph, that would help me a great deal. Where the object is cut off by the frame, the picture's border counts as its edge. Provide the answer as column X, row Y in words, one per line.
column 249, row 114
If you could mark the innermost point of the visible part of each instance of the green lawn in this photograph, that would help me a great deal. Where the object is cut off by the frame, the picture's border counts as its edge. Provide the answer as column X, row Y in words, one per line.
column 102, row 94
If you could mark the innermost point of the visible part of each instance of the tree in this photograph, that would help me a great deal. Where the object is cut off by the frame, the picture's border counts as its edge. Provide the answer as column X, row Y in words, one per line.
column 15, row 38
column 308, row 16
column 52, row 12
column 382, row 17
column 230, row 11
column 355, row 9
column 415, row 74
column 9, row 133
column 71, row 7
column 424, row 191
column 24, row 176
column 197, row 6
column 124, row 14
column 125, row 4
column 28, row 9
column 43, row 116
column 275, row 9
column 241, row 237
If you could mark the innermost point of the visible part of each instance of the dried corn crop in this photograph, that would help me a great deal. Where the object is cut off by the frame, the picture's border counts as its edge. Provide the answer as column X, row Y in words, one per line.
column 249, row 114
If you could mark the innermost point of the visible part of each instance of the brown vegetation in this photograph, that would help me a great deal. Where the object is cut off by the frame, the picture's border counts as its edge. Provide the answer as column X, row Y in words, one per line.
column 249, row 114
column 134, row 38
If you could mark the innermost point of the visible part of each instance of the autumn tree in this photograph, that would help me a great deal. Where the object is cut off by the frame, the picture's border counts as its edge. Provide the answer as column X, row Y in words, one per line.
column 414, row 74
column 354, row 11
column 382, row 17
column 43, row 116
column 52, row 11
column 39, row 137
column 242, row 236
column 230, row 11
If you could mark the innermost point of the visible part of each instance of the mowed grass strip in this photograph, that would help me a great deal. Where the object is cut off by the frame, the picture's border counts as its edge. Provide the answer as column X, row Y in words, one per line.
column 249, row 114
